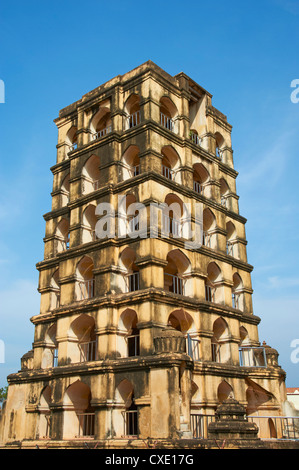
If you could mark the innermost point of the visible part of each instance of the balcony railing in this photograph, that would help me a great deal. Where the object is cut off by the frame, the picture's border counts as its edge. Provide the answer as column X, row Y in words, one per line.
column 207, row 239
column 197, row 187
column 86, row 424
column 134, row 119
column 209, row 293
column 133, row 282
column 236, row 300
column 224, row 201
column 277, row 427
column 130, row 423
column 167, row 172
column 175, row 283
column 133, row 223
column 101, row 133
column 199, row 425
column 251, row 356
column 193, row 347
column 230, row 248
column 88, row 351
column 86, row 289
column 195, row 139
column 133, row 343
column 166, row 122
column 73, row 147
column 216, row 356
column 172, row 226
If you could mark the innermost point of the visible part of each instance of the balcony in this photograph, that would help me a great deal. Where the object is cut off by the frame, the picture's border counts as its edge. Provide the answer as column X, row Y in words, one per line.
column 251, row 356
column 195, row 139
column 86, row 289
column 88, row 351
column 199, row 425
column 101, row 133
column 133, row 119
column 167, row 172
column 197, row 187
column 172, row 226
column 86, row 424
column 175, row 283
column 209, row 293
column 193, row 348
column 130, row 423
column 133, row 343
column 133, row 282
column 166, row 122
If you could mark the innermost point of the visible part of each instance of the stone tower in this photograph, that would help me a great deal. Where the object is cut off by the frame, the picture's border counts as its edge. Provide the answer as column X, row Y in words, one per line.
column 140, row 334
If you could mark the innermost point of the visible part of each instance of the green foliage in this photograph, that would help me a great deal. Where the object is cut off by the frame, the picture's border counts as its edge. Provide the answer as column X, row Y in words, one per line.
column 3, row 394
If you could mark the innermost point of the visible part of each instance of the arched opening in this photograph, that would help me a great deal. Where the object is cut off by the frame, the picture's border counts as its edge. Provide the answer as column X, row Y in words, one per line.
column 258, row 398
column 129, row 334
column 126, row 413
column 50, row 351
column 224, row 391
column 131, row 162
column 168, row 113
column 182, row 321
column 55, row 290
column 85, row 279
column 130, row 270
column 219, row 341
column 82, row 346
column 91, row 174
column 44, row 413
column 175, row 273
column 224, row 192
column 173, row 212
column 195, row 137
column 170, row 163
column 79, row 415
column 231, row 240
column 209, row 229
column 101, row 123
column 213, row 283
column 89, row 220
column 132, row 109
column 200, row 178
column 71, row 139
column 65, row 190
column 62, row 235
column 237, row 292
column 219, row 145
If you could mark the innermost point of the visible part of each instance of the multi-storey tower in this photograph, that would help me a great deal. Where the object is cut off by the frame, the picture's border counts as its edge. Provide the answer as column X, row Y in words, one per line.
column 141, row 335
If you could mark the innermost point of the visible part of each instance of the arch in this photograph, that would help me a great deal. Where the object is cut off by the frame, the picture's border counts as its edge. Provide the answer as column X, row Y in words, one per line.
column 101, row 123
column 171, row 162
column 168, row 108
column 125, row 419
column 132, row 109
column 209, row 226
column 91, row 174
column 83, row 344
column 129, row 340
column 219, row 341
column 224, row 391
column 44, row 411
column 85, row 279
column 50, row 351
column 220, row 143
column 237, row 292
column 65, row 190
column 200, row 177
column 178, row 265
column 55, row 290
column 181, row 321
column 257, row 397
column 78, row 414
column 62, row 235
column 131, row 162
column 89, row 220
column 130, row 276
column 224, row 192
column 71, row 138
column 244, row 336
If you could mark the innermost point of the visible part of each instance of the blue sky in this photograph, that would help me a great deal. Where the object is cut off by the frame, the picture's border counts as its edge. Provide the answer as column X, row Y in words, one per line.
column 244, row 53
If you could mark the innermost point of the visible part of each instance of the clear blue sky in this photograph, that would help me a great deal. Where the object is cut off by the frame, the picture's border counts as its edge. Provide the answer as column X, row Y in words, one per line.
column 244, row 53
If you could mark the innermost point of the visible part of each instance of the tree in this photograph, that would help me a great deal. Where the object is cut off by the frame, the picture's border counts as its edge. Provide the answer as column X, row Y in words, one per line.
column 3, row 394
